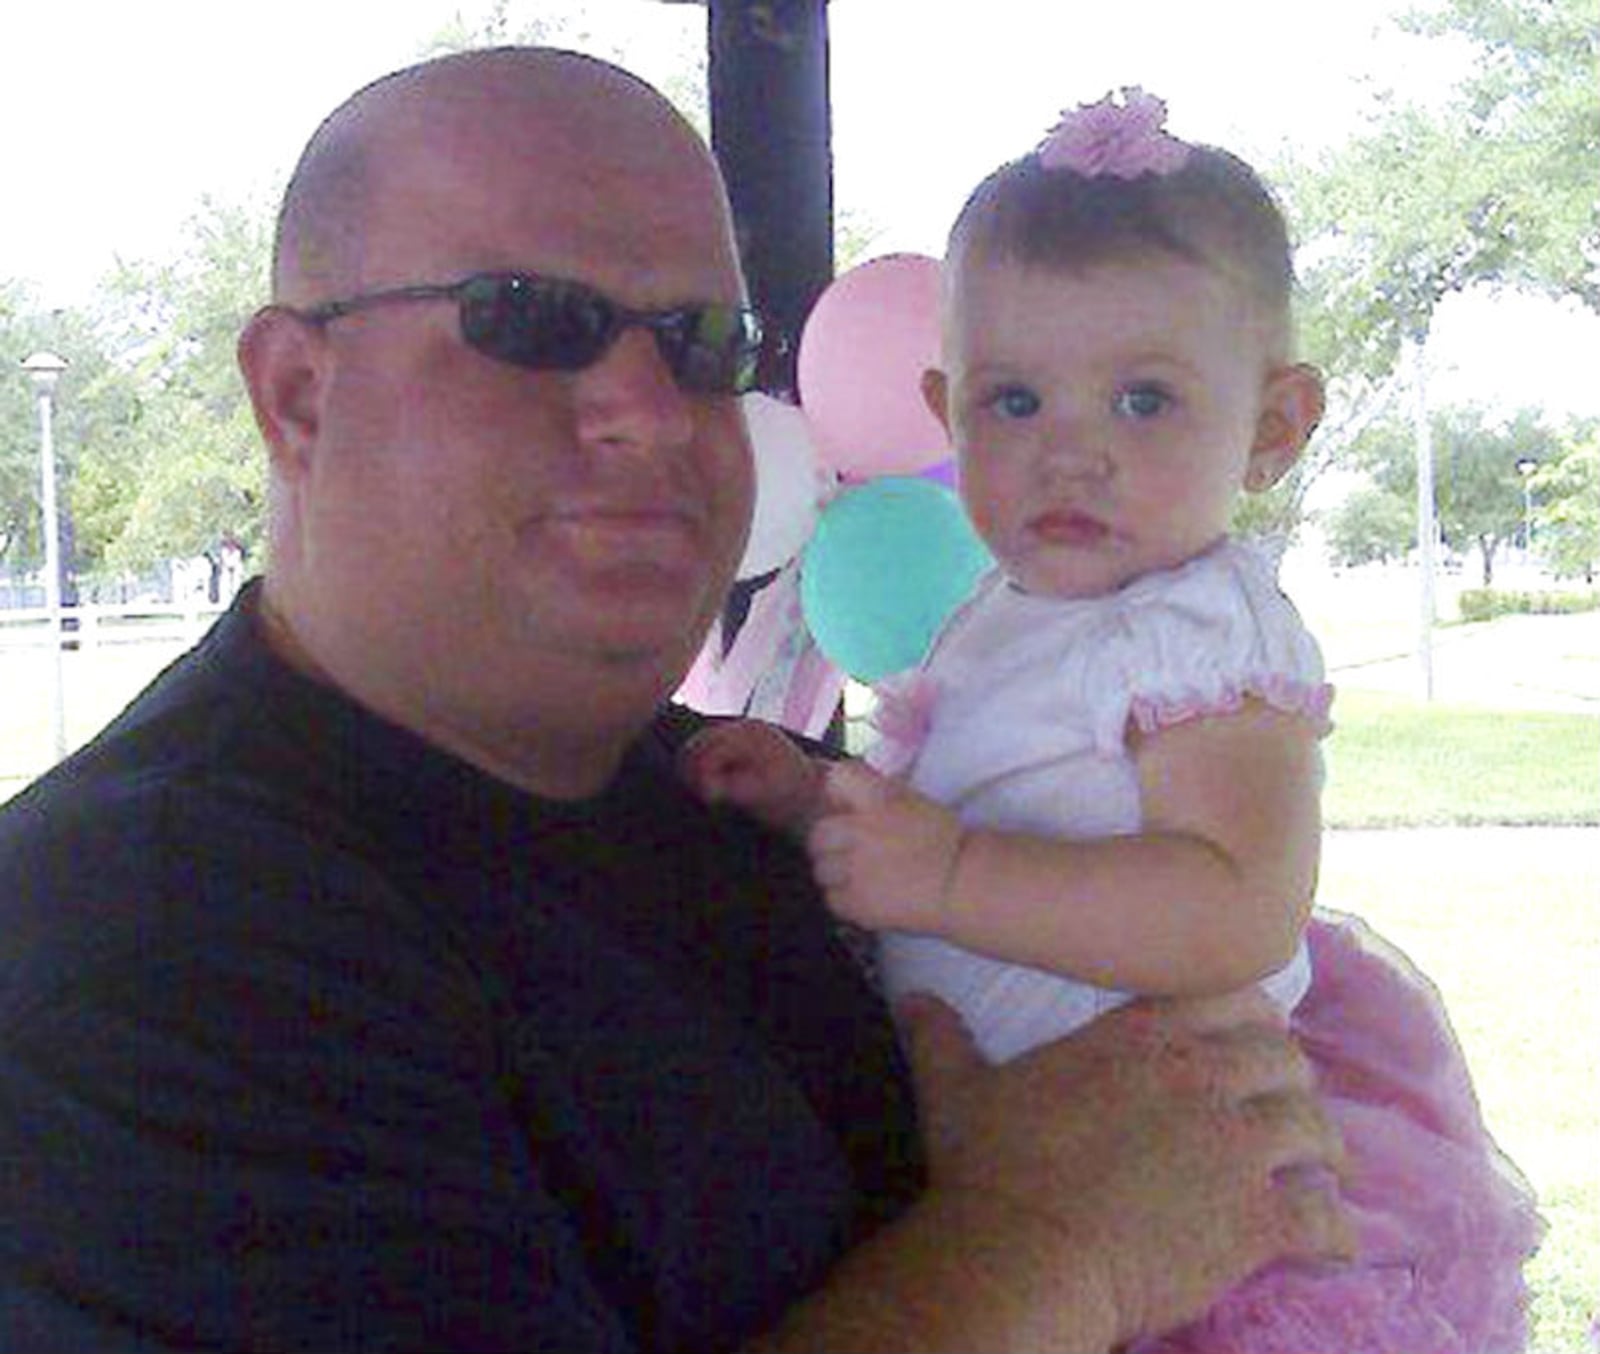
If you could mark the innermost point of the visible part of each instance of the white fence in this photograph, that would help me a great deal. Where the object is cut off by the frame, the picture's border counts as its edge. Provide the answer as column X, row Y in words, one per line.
column 89, row 627
column 64, row 676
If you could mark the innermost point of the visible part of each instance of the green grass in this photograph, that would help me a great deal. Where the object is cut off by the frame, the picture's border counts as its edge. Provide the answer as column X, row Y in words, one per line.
column 1394, row 762
column 97, row 683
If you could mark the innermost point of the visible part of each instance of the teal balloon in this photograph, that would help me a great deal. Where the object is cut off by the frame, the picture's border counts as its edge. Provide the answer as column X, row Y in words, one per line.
column 888, row 561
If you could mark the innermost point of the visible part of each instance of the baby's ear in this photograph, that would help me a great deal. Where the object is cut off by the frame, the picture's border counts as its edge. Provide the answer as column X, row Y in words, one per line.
column 936, row 395
column 1292, row 402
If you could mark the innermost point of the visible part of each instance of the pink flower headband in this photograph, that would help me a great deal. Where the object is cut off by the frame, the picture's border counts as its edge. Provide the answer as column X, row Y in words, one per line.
column 1124, row 140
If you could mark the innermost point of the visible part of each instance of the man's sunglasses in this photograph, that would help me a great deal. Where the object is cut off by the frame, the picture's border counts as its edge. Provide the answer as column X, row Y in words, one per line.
column 549, row 324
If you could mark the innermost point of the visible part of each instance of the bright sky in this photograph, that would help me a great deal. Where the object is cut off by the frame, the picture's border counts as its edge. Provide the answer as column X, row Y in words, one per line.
column 120, row 117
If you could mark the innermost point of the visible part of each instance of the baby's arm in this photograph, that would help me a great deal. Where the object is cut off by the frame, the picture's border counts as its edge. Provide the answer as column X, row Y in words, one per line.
column 1210, row 895
column 757, row 767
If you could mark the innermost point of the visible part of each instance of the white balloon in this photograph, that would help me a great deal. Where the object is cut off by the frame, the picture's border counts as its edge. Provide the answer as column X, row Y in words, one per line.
column 790, row 482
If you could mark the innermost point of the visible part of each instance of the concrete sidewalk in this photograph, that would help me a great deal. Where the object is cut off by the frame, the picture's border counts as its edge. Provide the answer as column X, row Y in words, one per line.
column 1513, row 662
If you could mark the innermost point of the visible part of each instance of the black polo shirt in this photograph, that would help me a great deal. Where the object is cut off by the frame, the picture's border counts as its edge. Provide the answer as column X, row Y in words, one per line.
column 313, row 1037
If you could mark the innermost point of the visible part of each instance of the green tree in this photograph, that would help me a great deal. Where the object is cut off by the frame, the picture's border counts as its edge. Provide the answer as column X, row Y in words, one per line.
column 187, row 475
column 856, row 238
column 1530, row 104
column 93, row 403
column 1493, row 187
column 1566, row 497
column 1371, row 525
column 19, row 438
column 1477, row 487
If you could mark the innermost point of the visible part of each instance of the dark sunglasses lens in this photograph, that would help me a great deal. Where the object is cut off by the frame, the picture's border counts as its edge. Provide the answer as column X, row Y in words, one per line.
column 535, row 322
column 550, row 325
column 712, row 349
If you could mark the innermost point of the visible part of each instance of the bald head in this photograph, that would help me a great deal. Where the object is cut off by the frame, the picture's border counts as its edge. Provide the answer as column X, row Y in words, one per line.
column 541, row 115
column 518, row 563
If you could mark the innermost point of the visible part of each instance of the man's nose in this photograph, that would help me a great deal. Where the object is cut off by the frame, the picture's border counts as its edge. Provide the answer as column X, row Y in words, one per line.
column 629, row 397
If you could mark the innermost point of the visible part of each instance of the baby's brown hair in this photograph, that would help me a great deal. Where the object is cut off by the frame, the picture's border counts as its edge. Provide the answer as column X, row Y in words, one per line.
column 1212, row 210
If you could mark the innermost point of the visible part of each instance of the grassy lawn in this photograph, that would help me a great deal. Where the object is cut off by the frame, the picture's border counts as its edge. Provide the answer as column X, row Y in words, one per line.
column 96, row 685
column 1397, row 762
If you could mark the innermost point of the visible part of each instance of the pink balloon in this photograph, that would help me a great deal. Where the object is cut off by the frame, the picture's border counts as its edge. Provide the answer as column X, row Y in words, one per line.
column 865, row 345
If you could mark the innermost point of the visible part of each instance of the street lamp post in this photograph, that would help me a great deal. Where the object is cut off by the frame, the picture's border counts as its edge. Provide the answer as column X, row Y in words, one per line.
column 44, row 370
column 1526, row 465
column 1427, row 520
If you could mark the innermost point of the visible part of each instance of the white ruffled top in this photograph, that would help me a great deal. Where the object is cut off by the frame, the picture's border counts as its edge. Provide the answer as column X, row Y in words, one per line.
column 1019, row 719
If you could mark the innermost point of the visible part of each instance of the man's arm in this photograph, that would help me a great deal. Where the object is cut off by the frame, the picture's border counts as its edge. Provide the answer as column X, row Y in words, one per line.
column 1107, row 1186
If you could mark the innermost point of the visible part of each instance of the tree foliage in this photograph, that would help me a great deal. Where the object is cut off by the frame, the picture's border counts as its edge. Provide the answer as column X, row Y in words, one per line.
column 1478, row 486
column 1566, row 498
column 93, row 404
column 189, row 478
column 19, row 438
column 1494, row 188
column 1530, row 99
column 1372, row 525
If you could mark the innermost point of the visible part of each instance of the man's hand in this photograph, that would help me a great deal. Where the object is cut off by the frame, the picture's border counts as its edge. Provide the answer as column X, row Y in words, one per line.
column 1162, row 1152
column 882, row 853
column 755, row 766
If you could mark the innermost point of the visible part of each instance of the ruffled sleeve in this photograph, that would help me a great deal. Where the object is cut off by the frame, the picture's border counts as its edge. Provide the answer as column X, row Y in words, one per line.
column 1198, row 641
column 901, row 720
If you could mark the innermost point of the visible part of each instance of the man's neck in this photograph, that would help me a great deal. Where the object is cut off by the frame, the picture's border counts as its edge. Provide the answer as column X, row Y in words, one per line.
column 565, row 760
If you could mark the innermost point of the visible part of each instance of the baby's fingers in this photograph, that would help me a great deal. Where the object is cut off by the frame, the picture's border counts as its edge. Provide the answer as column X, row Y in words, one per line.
column 832, row 874
column 853, row 787
column 829, row 844
column 831, row 835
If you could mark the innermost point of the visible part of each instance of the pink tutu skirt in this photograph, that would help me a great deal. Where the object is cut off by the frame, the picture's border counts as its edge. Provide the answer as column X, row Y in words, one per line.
column 1445, row 1221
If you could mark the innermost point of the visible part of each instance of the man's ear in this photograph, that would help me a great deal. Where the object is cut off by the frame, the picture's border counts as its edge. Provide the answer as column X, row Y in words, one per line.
column 936, row 395
column 282, row 359
column 1292, row 402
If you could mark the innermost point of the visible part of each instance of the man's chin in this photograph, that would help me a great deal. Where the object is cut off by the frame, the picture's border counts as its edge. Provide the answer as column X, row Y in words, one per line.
column 653, row 647
column 629, row 617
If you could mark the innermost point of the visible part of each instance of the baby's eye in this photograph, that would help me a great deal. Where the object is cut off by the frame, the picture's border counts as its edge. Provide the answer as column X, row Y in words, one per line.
column 1014, row 402
column 1141, row 401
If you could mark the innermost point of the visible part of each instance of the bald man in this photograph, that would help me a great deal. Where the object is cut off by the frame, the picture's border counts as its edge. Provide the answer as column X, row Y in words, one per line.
column 372, row 984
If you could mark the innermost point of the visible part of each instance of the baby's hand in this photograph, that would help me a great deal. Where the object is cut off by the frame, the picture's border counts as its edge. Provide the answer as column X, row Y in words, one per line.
column 754, row 766
column 882, row 853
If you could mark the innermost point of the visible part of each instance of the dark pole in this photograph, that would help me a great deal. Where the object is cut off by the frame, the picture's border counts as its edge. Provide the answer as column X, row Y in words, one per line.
column 770, row 129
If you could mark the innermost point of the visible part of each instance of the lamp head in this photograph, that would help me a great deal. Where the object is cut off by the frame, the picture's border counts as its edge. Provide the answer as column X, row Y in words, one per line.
column 44, row 370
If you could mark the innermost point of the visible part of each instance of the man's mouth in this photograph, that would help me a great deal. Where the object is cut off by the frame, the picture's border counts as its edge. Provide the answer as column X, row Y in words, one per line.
column 621, row 532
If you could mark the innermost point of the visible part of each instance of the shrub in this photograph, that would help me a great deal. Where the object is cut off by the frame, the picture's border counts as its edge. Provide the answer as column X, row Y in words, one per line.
column 1484, row 604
